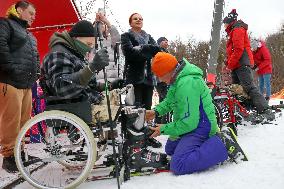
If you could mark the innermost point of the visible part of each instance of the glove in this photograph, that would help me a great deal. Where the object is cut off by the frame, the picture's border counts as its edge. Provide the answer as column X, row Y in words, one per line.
column 100, row 61
column 118, row 83
column 150, row 51
column 254, row 67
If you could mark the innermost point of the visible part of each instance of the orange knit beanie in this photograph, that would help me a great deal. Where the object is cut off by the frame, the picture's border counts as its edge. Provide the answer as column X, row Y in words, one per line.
column 163, row 63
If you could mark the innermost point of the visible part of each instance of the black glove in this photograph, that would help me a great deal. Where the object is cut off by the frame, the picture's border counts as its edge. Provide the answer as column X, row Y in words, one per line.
column 100, row 61
column 117, row 84
column 254, row 67
column 84, row 75
column 149, row 51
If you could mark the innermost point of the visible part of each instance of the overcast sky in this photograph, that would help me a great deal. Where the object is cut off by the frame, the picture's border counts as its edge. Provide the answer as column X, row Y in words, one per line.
column 193, row 18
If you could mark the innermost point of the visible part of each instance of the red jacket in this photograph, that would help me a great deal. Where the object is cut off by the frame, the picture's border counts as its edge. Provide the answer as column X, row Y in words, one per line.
column 238, row 46
column 262, row 60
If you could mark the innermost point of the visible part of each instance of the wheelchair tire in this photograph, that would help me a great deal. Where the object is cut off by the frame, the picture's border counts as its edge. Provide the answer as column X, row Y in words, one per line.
column 53, row 149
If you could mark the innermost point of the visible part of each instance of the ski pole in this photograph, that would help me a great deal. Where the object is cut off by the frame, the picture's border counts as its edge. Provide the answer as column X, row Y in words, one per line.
column 99, row 35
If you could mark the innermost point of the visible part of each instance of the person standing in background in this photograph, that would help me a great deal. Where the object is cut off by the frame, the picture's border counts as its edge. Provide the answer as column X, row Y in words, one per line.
column 163, row 43
column 161, row 86
column 110, row 40
column 262, row 65
column 19, row 70
column 138, row 48
column 240, row 60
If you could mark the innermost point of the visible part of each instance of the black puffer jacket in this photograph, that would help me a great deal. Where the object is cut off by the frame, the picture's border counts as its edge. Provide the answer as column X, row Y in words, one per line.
column 19, row 58
column 136, row 61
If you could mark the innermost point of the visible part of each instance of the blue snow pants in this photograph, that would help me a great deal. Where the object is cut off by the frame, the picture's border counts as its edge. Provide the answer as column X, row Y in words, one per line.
column 193, row 152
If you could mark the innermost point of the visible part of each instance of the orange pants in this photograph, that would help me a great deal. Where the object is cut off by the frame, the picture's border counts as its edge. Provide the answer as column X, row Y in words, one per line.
column 15, row 110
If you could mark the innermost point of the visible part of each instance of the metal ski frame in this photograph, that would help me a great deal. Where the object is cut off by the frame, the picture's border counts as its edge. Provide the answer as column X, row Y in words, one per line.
column 111, row 124
column 215, row 40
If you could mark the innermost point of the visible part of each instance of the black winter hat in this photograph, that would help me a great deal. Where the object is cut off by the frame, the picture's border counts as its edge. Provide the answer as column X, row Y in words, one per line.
column 82, row 28
column 161, row 39
column 232, row 16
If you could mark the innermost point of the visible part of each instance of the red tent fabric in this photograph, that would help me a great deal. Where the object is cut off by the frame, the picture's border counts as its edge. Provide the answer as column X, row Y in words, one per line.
column 51, row 16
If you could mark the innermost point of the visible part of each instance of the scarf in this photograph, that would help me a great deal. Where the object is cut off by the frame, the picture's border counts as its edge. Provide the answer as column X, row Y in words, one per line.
column 142, row 37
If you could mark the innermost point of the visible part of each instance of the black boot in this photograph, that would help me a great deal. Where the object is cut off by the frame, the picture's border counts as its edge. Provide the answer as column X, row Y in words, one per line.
column 254, row 118
column 153, row 142
column 142, row 157
column 268, row 115
column 235, row 151
column 9, row 164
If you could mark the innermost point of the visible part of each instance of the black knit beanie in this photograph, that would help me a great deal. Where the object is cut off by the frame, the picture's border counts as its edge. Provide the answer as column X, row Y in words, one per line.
column 232, row 16
column 82, row 28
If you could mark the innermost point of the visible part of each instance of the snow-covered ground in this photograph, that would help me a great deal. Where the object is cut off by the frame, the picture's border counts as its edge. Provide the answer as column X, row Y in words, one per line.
column 263, row 144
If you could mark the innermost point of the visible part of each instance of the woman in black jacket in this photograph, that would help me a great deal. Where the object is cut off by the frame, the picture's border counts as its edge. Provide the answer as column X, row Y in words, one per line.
column 138, row 48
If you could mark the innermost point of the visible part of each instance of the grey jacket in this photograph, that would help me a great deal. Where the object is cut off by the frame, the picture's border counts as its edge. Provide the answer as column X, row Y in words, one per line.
column 112, row 69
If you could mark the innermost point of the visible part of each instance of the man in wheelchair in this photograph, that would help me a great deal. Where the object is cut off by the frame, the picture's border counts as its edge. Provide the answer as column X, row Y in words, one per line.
column 68, row 76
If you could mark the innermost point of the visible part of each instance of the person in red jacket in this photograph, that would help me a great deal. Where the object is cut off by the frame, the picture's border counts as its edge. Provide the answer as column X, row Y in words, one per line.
column 240, row 60
column 262, row 65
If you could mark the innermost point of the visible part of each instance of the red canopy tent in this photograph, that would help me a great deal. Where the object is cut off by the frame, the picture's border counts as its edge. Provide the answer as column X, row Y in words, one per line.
column 51, row 16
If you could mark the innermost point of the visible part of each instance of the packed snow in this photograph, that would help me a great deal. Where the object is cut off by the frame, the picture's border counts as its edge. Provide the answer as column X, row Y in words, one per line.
column 263, row 144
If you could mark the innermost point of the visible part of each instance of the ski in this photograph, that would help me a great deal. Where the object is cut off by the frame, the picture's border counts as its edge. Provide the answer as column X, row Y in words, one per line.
column 148, row 172
column 20, row 179
column 277, row 107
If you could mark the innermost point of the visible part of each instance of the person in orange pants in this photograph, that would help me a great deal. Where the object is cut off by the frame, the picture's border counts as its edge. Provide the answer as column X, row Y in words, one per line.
column 19, row 68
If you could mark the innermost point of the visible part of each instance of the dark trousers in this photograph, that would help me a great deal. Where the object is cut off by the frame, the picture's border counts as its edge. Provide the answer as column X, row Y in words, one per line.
column 243, row 76
column 143, row 95
column 162, row 90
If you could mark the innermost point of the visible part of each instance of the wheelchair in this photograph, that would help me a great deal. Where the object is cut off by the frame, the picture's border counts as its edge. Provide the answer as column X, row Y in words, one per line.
column 71, row 144
column 68, row 143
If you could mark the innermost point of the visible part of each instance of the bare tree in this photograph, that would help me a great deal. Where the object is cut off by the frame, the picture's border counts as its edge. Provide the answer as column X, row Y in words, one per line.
column 275, row 43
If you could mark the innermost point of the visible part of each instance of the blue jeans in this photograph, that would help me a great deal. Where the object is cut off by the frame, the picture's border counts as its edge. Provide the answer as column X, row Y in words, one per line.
column 264, row 81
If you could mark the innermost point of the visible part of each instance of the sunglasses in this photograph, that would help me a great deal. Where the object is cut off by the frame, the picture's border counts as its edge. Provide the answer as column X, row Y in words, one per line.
column 141, row 19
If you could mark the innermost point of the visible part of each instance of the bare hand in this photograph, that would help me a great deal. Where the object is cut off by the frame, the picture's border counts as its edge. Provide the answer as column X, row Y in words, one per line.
column 156, row 130
column 100, row 17
column 150, row 115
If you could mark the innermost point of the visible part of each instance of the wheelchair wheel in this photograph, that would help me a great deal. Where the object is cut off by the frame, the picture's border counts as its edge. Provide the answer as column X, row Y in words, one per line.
column 67, row 138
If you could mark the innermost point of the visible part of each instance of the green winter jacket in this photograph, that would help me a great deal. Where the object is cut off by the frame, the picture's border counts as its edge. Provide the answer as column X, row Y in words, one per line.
column 190, row 100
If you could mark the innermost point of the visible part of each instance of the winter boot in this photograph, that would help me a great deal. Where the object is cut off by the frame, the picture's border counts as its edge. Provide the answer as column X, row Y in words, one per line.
column 142, row 157
column 137, row 155
column 153, row 142
column 254, row 118
column 136, row 129
column 233, row 126
column 9, row 164
column 268, row 115
column 235, row 152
